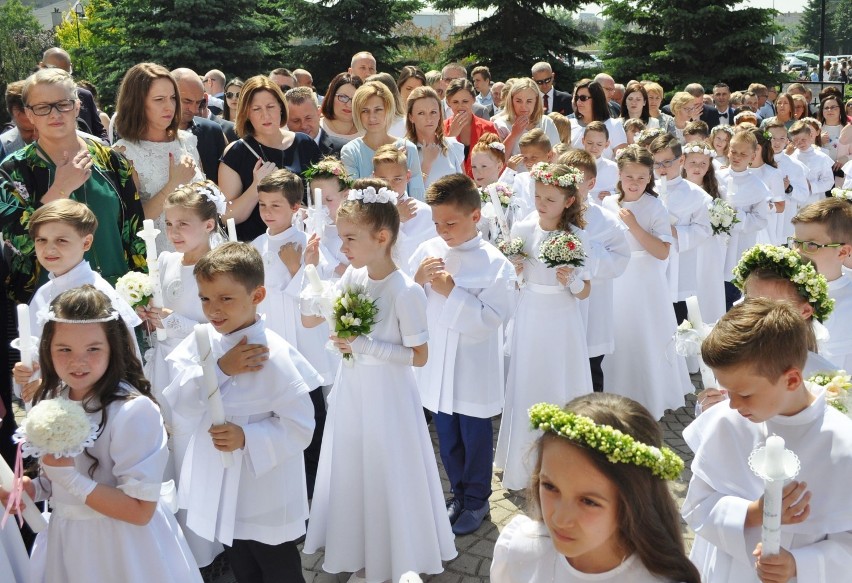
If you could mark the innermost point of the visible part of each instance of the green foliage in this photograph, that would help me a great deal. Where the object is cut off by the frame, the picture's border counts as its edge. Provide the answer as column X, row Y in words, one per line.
column 517, row 35
column 702, row 41
column 808, row 32
column 334, row 30
column 22, row 41
column 840, row 26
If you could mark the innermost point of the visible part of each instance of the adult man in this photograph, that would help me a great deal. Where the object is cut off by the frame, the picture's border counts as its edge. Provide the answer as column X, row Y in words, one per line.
column 552, row 100
column 303, row 115
column 283, row 78
column 23, row 131
column 303, row 78
column 214, row 85
column 56, row 57
column 608, row 83
column 722, row 102
column 450, row 73
column 482, row 83
column 211, row 140
column 618, row 93
column 497, row 97
column 363, row 65
column 704, row 112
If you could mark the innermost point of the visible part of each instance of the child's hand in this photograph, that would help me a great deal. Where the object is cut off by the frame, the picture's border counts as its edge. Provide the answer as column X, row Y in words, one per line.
column 786, row 183
column 603, row 194
column 518, row 263
column 778, row 568
column 428, row 269
column 243, row 357
column 628, row 218
column 227, row 437
column 795, row 505
column 407, row 209
column 342, row 344
column 22, row 374
column 563, row 274
column 709, row 397
column 780, row 205
column 515, row 161
column 291, row 255
column 312, row 251
column 28, row 488
column 340, row 269
column 443, row 283
column 157, row 315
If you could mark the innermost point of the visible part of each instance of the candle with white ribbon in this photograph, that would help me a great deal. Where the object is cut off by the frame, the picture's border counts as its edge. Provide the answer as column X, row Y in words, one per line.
column 149, row 235
column 318, row 199
column 693, row 312
column 232, row 230
column 211, row 384
column 318, row 288
column 664, row 188
column 30, row 512
column 498, row 211
column 25, row 339
column 773, row 470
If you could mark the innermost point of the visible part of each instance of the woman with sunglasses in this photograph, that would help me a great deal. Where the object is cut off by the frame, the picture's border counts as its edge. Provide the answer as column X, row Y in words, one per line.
column 60, row 164
column 590, row 104
column 232, row 98
column 336, row 110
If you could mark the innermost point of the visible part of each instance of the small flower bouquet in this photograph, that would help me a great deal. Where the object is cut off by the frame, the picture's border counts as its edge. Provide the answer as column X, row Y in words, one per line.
column 503, row 192
column 687, row 340
column 562, row 248
column 57, row 427
column 354, row 314
column 511, row 247
column 135, row 288
column 722, row 217
column 842, row 193
column 837, row 385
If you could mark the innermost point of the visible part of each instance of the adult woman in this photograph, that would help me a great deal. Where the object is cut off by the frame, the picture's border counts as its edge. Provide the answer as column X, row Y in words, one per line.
column 397, row 126
column 163, row 156
column 655, row 94
column 374, row 107
column 590, row 104
column 336, row 109
column 836, row 130
column 439, row 156
column 232, row 98
column 522, row 112
column 60, row 164
column 784, row 107
column 410, row 78
column 464, row 126
column 800, row 107
column 265, row 144
column 849, row 109
column 682, row 105
column 634, row 105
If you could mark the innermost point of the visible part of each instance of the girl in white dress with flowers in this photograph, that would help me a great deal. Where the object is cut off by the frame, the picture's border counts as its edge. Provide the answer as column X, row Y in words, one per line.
column 550, row 360
column 107, row 522
column 378, row 507
column 644, row 365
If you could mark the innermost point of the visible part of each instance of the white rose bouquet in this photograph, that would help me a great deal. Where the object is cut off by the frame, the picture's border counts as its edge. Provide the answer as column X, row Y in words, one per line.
column 511, row 247
column 843, row 193
column 562, row 248
column 59, row 427
column 354, row 314
column 135, row 288
column 837, row 385
column 722, row 217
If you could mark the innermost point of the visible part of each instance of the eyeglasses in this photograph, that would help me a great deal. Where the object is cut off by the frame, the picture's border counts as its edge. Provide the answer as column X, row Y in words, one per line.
column 665, row 163
column 830, row 107
column 342, row 98
column 230, row 95
column 43, row 109
column 809, row 246
column 541, row 82
column 583, row 97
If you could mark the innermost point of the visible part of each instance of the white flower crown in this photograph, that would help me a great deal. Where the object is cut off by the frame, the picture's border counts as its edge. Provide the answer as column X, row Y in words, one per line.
column 498, row 146
column 370, row 196
column 696, row 148
column 541, row 173
column 214, row 195
column 49, row 315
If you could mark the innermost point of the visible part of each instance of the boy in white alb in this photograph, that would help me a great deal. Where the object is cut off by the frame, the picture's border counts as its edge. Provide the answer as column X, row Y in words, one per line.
column 595, row 142
column 608, row 256
column 687, row 204
column 796, row 189
column 757, row 351
column 256, row 507
column 823, row 234
column 286, row 251
column 818, row 163
column 535, row 147
column 470, row 289
column 415, row 216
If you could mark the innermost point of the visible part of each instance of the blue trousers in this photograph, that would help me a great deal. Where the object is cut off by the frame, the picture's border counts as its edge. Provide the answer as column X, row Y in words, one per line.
column 466, row 445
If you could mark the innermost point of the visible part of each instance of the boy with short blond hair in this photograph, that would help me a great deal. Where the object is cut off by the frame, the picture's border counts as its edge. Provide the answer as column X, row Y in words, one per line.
column 535, row 147
column 595, row 142
column 757, row 351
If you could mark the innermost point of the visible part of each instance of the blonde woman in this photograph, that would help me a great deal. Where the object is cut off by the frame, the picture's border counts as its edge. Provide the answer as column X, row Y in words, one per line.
column 682, row 105
column 523, row 112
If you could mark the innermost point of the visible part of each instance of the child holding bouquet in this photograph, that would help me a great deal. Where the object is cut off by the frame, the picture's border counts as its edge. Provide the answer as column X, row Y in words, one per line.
column 549, row 307
column 378, row 507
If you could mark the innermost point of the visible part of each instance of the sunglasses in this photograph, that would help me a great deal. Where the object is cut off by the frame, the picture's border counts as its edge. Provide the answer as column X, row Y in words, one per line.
column 230, row 95
column 541, row 82
column 583, row 97
column 343, row 98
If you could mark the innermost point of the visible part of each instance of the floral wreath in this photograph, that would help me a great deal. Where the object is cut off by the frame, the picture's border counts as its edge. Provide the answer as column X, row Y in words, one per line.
column 649, row 134
column 328, row 169
column 497, row 146
column 214, row 195
column 541, row 173
column 697, row 148
column 767, row 135
column 787, row 263
column 727, row 129
column 617, row 446
column 369, row 195
column 842, row 193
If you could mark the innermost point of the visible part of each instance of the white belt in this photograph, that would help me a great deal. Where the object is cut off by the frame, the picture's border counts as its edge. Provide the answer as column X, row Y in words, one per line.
column 75, row 511
column 540, row 288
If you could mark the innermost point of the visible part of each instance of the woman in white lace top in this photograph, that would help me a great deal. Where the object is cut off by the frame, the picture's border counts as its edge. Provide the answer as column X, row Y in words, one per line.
column 163, row 156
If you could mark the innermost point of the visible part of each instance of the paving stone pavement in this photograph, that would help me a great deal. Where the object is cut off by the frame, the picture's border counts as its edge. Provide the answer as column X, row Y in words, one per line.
column 474, row 559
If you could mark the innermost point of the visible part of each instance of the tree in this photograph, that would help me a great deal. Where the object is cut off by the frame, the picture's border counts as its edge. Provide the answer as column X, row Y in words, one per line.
column 517, row 35
column 682, row 41
column 22, row 41
column 841, row 29
column 334, row 30
column 808, row 32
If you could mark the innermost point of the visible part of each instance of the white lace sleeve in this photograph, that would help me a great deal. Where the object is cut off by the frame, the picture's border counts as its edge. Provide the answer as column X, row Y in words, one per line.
column 178, row 326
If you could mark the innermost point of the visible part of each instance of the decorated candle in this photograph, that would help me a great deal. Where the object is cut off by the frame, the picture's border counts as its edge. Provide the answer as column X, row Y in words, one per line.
column 232, row 230
column 664, row 188
column 318, row 198
column 501, row 216
column 211, row 385
column 773, row 469
column 149, row 235
column 313, row 278
column 25, row 342
column 30, row 512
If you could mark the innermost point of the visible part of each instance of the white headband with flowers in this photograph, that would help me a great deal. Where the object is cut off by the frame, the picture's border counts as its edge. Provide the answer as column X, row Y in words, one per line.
column 214, row 195
column 369, row 195
column 541, row 173
column 497, row 146
column 696, row 148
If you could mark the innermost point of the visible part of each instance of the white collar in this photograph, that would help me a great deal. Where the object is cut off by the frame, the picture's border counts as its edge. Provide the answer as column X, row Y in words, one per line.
column 76, row 276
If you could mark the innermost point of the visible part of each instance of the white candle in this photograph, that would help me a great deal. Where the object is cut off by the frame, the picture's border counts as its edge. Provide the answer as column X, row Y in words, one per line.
column 214, row 396
column 30, row 512
column 501, row 216
column 313, row 278
column 149, row 235
column 773, row 468
column 318, row 198
column 693, row 312
column 232, row 230
column 664, row 188
column 25, row 342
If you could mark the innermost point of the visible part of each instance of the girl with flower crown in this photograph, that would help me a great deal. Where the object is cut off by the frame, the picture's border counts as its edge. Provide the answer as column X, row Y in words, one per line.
column 330, row 176
column 107, row 523
column 720, row 137
column 644, row 365
column 377, row 486
column 549, row 307
column 600, row 505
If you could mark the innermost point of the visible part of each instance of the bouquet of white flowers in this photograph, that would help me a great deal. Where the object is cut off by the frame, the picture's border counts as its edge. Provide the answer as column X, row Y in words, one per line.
column 511, row 247
column 503, row 192
column 135, row 288
column 843, row 193
column 58, row 427
column 722, row 217
column 562, row 248
column 354, row 314
column 837, row 385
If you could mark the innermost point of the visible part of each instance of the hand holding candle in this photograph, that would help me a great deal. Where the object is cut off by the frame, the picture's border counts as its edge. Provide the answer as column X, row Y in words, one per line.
column 694, row 317
column 774, row 464
column 149, row 235
column 30, row 512
column 211, row 385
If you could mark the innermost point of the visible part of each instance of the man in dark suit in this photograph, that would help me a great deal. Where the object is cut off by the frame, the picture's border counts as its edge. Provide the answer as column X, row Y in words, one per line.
column 56, row 57
column 552, row 99
column 708, row 113
column 303, row 115
column 211, row 139
column 722, row 101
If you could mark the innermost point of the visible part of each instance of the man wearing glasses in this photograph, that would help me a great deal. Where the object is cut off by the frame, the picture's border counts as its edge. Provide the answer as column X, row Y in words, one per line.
column 552, row 99
column 608, row 84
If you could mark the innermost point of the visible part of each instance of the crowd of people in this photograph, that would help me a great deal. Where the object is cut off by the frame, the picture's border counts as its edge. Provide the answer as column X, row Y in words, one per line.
column 435, row 248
